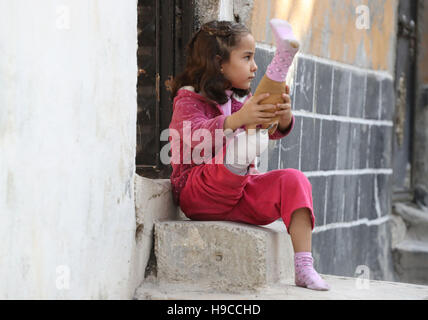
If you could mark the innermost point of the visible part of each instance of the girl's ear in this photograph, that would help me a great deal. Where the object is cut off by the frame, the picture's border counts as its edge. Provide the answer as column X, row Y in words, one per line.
column 219, row 60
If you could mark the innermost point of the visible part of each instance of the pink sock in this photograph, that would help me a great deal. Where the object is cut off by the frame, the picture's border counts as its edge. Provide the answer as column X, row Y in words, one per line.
column 286, row 48
column 305, row 274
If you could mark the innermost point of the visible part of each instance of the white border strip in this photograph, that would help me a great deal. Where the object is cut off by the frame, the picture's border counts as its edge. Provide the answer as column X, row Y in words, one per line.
column 372, row 122
column 380, row 73
column 266, row 47
column 225, row 10
column 353, row 172
column 365, row 221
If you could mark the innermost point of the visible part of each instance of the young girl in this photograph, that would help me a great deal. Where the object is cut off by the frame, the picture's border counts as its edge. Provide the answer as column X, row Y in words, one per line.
column 215, row 179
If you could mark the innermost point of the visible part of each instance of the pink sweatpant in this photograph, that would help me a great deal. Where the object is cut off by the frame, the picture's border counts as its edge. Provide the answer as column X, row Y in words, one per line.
column 213, row 193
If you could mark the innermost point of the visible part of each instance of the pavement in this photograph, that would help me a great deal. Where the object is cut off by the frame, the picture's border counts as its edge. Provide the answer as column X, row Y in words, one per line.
column 342, row 288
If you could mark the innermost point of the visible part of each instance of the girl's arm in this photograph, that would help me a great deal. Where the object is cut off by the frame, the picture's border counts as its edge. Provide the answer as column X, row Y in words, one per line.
column 188, row 116
column 231, row 123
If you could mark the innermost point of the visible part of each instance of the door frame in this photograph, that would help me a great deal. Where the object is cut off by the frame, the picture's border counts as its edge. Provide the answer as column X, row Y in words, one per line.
column 406, row 93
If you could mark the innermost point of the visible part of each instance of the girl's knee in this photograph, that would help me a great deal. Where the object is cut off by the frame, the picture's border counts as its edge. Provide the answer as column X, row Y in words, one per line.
column 295, row 176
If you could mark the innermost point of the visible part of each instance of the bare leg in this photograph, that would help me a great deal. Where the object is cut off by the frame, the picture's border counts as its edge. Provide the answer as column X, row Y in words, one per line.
column 301, row 230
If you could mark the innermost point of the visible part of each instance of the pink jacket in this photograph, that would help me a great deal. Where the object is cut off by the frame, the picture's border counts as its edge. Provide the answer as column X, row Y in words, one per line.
column 193, row 108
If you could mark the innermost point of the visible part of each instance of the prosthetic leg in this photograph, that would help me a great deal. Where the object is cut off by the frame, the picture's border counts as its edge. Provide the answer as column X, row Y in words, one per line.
column 249, row 144
column 273, row 81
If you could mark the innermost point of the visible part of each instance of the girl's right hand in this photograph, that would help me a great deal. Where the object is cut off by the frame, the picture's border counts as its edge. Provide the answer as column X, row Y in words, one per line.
column 252, row 112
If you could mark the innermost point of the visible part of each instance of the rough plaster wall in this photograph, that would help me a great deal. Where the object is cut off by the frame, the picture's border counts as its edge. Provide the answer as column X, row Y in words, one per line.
column 67, row 141
column 226, row 10
column 205, row 11
column 236, row 10
column 242, row 11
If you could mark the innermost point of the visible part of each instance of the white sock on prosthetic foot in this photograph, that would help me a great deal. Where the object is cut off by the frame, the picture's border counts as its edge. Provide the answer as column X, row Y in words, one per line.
column 244, row 149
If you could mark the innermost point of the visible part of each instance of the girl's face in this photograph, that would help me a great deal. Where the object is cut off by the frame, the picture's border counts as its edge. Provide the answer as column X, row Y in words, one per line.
column 241, row 67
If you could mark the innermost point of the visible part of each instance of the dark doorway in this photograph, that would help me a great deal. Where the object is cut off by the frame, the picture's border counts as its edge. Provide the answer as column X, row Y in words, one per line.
column 405, row 84
column 164, row 28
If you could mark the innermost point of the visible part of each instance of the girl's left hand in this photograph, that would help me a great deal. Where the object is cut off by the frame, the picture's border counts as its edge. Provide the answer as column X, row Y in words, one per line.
column 285, row 113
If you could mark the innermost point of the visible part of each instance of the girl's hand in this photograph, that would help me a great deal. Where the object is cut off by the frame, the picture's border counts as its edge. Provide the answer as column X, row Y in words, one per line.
column 285, row 115
column 252, row 112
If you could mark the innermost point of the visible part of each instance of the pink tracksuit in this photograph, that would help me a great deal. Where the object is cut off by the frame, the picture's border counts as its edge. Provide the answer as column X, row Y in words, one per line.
column 209, row 191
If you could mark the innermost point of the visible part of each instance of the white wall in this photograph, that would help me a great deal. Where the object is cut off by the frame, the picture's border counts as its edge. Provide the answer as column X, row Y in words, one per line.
column 68, row 75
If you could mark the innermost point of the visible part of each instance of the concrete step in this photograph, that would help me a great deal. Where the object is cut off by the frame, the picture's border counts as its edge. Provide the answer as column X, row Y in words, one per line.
column 208, row 260
column 153, row 201
column 342, row 288
column 411, row 261
column 410, row 250
column 219, row 256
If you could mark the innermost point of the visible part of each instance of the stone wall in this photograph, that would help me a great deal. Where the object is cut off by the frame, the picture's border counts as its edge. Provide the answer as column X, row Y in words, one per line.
column 342, row 142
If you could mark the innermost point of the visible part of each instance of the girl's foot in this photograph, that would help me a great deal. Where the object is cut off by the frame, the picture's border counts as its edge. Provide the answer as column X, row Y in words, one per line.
column 305, row 274
column 284, row 37
column 286, row 48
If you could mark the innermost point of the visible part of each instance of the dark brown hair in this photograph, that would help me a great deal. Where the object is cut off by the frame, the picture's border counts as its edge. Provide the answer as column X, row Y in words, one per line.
column 202, row 70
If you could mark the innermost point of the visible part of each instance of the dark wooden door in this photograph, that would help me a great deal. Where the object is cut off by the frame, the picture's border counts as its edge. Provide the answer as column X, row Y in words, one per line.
column 164, row 28
column 405, row 81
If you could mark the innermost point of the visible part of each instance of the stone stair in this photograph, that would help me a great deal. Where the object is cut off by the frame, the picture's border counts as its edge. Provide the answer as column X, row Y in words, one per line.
column 410, row 252
column 342, row 288
column 222, row 256
column 228, row 260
